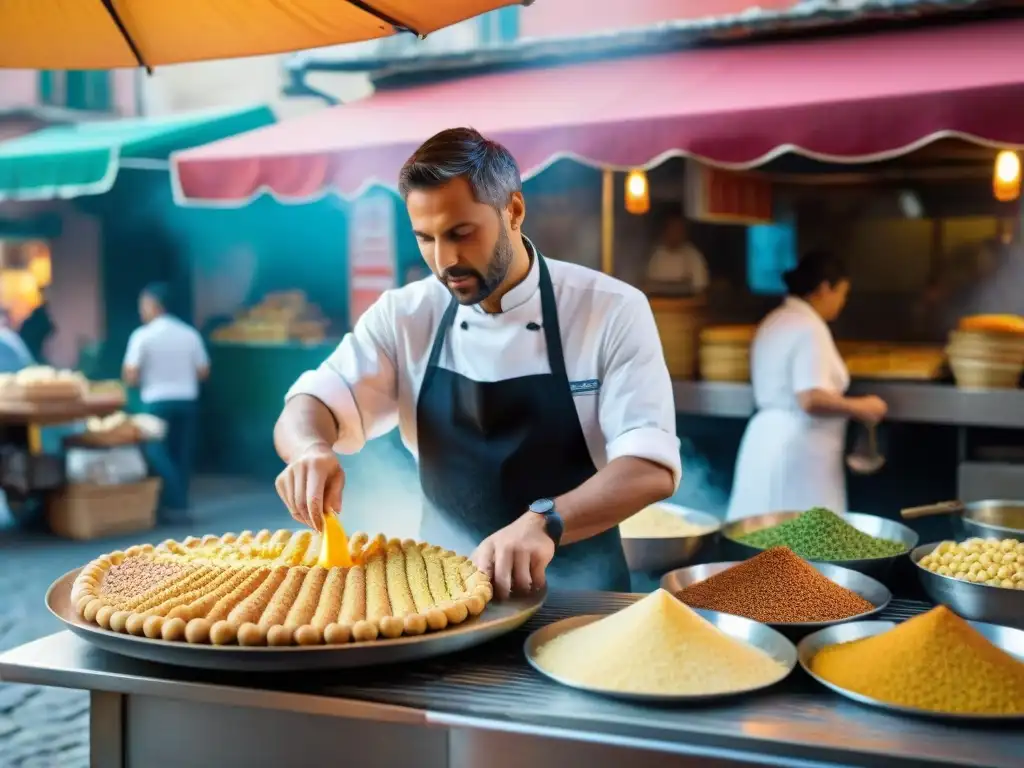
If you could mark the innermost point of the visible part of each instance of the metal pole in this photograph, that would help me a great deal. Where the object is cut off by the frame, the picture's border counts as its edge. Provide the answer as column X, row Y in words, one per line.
column 608, row 222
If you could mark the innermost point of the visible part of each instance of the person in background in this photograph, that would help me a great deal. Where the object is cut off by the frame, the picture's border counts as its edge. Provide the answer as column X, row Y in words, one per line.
column 676, row 264
column 37, row 329
column 791, row 455
column 14, row 355
column 166, row 359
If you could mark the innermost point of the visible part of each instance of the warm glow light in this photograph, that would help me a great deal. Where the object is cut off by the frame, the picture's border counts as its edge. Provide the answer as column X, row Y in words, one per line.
column 638, row 195
column 41, row 269
column 1006, row 178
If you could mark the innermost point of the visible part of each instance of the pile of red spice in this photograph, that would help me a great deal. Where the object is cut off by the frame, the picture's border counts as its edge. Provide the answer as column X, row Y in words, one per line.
column 775, row 587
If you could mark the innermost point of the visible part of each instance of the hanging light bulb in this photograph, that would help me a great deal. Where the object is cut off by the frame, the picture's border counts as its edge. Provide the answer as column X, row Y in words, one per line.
column 1006, row 179
column 638, row 194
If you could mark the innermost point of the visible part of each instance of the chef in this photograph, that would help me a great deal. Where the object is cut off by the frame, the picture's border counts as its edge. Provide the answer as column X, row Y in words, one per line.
column 791, row 455
column 533, row 392
column 676, row 266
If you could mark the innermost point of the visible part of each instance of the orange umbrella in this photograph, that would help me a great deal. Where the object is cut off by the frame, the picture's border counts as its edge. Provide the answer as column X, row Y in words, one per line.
column 106, row 34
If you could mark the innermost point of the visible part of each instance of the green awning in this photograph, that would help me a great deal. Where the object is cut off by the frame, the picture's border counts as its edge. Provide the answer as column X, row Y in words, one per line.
column 68, row 161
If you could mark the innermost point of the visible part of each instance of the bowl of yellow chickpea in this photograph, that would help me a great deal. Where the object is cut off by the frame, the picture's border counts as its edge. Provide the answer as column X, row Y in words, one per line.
column 980, row 579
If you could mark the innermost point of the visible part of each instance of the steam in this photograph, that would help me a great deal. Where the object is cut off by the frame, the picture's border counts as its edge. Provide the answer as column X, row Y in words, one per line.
column 698, row 488
column 382, row 489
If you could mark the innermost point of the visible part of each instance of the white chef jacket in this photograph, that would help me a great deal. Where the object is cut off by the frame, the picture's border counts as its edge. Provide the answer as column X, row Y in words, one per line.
column 684, row 265
column 168, row 354
column 788, row 459
column 617, row 372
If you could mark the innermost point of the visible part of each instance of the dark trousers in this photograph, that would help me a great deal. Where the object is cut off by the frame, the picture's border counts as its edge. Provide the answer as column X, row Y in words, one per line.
column 172, row 459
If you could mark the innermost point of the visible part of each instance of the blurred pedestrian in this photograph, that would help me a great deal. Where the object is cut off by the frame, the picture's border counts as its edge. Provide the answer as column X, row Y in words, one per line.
column 37, row 329
column 14, row 355
column 166, row 359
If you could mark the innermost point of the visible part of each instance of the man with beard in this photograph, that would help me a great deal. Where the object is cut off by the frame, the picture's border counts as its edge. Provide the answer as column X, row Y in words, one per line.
column 533, row 393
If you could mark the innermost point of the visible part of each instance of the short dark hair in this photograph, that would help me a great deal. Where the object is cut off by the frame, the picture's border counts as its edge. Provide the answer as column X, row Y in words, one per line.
column 815, row 268
column 159, row 292
column 490, row 169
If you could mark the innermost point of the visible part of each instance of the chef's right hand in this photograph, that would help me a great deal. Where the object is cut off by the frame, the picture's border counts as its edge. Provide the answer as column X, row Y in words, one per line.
column 310, row 483
column 871, row 409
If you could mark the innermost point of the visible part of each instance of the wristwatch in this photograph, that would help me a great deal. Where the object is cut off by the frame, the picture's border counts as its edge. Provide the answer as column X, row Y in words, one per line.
column 553, row 525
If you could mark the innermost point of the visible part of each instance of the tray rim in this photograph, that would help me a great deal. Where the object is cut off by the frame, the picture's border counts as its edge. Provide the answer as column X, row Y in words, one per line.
column 558, row 628
column 805, row 653
column 258, row 657
column 795, row 624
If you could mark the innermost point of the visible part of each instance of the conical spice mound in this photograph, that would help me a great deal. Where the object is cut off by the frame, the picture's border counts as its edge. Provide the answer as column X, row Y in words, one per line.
column 658, row 646
column 935, row 662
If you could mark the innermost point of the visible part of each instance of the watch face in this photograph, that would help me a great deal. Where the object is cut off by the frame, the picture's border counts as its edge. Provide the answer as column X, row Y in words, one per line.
column 542, row 506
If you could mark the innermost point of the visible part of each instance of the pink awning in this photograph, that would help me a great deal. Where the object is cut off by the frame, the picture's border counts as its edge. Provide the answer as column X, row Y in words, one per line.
column 849, row 99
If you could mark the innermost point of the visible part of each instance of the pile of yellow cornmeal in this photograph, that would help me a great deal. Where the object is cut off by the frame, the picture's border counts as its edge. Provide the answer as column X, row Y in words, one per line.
column 658, row 646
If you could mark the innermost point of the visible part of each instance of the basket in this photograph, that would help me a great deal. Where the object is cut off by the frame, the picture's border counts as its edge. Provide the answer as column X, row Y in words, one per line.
column 984, row 374
column 86, row 511
column 728, row 335
column 678, row 320
column 718, row 369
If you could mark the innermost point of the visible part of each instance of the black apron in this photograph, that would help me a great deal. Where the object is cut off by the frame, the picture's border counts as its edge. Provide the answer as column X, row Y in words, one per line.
column 487, row 450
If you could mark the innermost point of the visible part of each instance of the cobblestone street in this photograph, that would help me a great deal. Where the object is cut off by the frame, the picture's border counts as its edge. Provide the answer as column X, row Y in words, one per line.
column 47, row 727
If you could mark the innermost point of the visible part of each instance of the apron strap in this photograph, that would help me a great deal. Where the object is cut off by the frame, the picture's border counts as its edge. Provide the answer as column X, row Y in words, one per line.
column 552, row 332
column 442, row 329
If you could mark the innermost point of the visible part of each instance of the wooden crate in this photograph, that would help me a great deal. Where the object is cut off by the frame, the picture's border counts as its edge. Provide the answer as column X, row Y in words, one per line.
column 90, row 511
column 679, row 321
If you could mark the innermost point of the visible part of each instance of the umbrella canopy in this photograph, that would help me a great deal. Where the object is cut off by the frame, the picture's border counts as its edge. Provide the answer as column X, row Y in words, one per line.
column 73, row 160
column 853, row 99
column 106, row 34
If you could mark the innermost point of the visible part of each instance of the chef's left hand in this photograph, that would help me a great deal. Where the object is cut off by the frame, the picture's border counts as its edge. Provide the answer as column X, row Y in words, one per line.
column 516, row 556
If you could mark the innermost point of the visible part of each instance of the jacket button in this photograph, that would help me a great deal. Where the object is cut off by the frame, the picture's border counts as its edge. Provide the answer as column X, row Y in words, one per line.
column 532, row 327
column 464, row 325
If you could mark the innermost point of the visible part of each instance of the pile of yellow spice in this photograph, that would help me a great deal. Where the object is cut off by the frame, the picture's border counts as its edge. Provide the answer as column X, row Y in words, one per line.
column 658, row 646
column 934, row 662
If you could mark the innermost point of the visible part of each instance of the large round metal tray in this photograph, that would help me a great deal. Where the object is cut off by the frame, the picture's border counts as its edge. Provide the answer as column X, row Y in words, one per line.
column 871, row 590
column 499, row 618
column 758, row 635
column 879, row 527
column 1009, row 640
column 977, row 602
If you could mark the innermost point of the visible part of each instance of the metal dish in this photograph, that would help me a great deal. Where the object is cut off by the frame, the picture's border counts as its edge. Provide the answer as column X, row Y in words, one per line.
column 879, row 527
column 992, row 518
column 871, row 590
column 758, row 635
column 1009, row 640
column 657, row 555
column 498, row 619
column 977, row 602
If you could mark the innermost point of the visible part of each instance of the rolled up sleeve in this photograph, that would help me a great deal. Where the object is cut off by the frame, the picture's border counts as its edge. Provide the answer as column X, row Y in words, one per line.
column 358, row 382
column 636, row 409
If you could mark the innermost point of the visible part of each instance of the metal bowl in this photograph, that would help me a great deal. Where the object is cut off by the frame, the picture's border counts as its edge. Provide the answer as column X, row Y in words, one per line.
column 977, row 602
column 871, row 590
column 750, row 632
column 997, row 518
column 657, row 555
column 1009, row 640
column 879, row 527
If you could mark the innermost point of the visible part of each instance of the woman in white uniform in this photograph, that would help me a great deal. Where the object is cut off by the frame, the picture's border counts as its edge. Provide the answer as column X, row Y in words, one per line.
column 791, row 456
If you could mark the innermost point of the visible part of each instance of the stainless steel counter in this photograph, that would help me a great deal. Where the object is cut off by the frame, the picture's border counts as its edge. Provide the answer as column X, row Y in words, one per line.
column 919, row 402
column 486, row 708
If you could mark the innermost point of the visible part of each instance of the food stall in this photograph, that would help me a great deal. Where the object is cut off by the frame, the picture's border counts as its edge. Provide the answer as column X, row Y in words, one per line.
column 206, row 651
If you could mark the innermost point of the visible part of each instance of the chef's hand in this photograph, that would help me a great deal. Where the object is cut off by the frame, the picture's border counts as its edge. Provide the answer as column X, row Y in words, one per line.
column 313, row 481
column 516, row 556
column 871, row 409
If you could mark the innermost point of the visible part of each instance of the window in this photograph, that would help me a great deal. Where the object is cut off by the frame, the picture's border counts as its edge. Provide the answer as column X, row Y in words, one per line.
column 498, row 27
column 771, row 250
column 88, row 90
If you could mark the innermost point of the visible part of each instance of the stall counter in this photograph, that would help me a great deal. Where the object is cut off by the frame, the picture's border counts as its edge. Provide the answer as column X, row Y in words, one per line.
column 486, row 707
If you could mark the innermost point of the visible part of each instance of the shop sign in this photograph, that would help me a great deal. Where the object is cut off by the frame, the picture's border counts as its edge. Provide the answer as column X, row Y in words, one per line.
column 726, row 197
column 371, row 250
